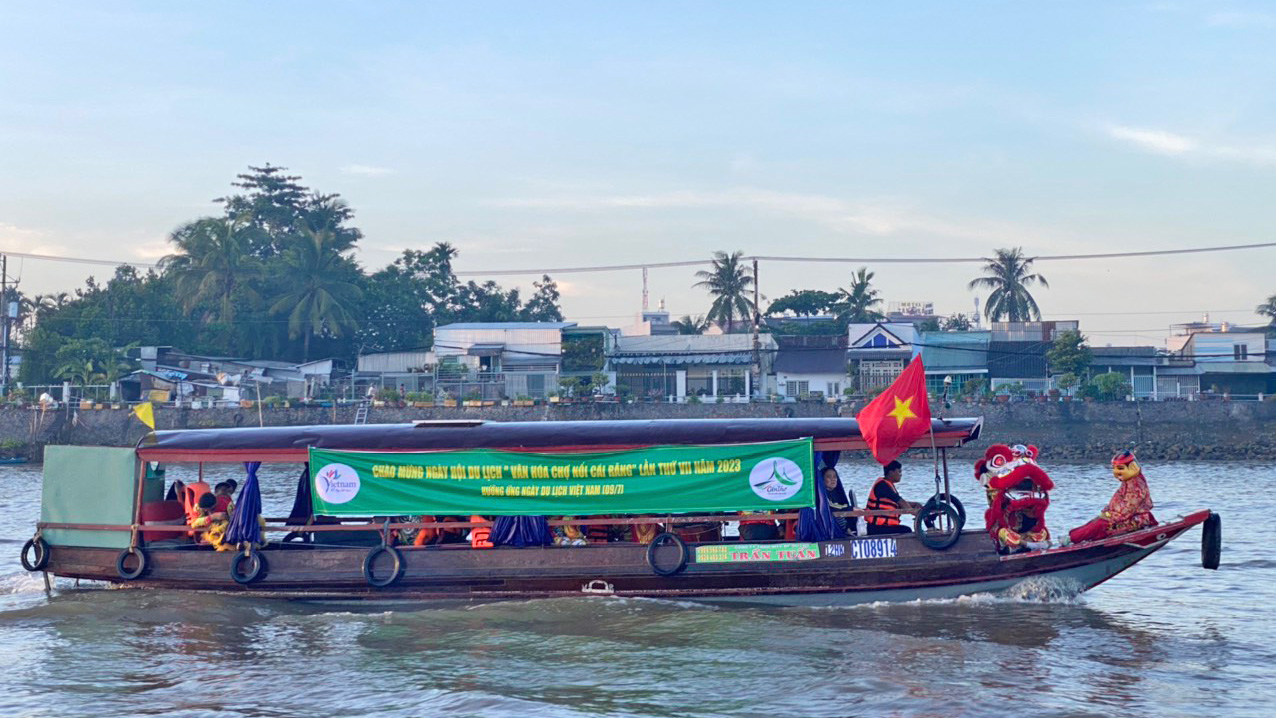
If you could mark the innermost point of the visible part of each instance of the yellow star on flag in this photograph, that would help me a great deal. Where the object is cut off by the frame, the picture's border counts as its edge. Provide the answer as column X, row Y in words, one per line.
column 902, row 412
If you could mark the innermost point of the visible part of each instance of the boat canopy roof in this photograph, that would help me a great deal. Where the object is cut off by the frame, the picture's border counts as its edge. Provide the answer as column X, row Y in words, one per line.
column 291, row 443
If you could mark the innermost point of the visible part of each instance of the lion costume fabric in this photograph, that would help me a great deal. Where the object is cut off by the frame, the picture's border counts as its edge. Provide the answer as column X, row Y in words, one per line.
column 1018, row 496
column 1130, row 508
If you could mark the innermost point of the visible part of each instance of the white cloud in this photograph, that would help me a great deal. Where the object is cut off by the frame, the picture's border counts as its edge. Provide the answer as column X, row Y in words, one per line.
column 1173, row 144
column 1241, row 19
column 874, row 217
column 366, row 170
column 1158, row 141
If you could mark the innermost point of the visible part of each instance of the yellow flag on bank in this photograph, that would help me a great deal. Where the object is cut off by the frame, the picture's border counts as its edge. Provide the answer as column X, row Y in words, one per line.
column 145, row 412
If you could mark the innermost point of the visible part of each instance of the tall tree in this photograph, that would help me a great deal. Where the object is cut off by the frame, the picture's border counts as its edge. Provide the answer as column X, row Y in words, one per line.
column 321, row 296
column 803, row 303
column 957, row 323
column 1069, row 354
column 691, row 325
column 729, row 283
column 542, row 306
column 858, row 303
column 1268, row 309
column 213, row 262
column 1008, row 275
column 275, row 203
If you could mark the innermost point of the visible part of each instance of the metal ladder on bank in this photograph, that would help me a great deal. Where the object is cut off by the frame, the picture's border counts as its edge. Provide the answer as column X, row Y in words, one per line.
column 361, row 414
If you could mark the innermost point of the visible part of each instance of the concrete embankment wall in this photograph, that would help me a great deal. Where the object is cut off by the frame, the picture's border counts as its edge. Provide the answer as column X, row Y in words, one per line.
column 1074, row 430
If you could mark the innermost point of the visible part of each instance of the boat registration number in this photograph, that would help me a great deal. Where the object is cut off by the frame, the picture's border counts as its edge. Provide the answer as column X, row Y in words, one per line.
column 874, row 548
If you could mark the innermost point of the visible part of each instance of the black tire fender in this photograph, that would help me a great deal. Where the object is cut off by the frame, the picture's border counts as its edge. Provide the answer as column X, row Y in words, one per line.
column 41, row 554
column 684, row 554
column 255, row 569
column 1212, row 541
column 125, row 573
column 956, row 503
column 928, row 514
column 394, row 574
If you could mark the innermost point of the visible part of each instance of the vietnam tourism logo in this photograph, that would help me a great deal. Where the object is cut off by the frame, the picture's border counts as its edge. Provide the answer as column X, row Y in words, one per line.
column 776, row 479
column 337, row 483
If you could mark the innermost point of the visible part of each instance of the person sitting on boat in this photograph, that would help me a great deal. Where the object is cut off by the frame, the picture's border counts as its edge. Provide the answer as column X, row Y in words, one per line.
column 216, row 523
column 840, row 499
column 1130, row 508
column 222, row 492
column 884, row 497
column 569, row 535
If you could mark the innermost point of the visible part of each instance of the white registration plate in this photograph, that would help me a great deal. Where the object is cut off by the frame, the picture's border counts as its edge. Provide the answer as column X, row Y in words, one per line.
column 874, row 548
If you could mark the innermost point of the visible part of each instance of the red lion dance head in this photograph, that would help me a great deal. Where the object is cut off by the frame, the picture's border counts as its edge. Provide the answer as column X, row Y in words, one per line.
column 1018, row 496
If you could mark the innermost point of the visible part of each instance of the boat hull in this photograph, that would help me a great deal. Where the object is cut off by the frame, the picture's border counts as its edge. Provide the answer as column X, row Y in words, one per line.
column 831, row 573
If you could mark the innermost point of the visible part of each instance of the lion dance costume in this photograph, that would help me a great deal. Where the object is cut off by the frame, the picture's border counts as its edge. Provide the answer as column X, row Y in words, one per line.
column 1130, row 508
column 1018, row 496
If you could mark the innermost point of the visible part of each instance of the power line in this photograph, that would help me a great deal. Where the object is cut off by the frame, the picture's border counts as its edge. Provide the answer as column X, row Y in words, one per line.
column 767, row 258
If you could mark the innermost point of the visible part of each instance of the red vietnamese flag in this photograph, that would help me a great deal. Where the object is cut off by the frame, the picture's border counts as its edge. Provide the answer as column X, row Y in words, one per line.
column 898, row 416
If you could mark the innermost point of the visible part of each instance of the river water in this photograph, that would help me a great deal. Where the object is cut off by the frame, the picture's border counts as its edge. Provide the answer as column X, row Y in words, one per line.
column 1166, row 638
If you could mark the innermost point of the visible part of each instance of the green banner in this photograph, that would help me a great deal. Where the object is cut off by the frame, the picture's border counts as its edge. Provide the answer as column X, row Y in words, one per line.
column 660, row 479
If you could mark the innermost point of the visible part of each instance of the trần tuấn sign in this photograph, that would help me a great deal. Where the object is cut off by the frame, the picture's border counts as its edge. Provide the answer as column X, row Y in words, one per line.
column 749, row 552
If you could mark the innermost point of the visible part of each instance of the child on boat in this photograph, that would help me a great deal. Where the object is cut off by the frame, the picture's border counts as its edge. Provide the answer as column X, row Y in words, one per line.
column 216, row 523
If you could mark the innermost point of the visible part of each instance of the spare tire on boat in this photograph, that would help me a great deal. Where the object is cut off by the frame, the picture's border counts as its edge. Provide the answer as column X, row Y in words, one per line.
column 932, row 511
column 256, row 566
column 684, row 554
column 130, row 574
column 1211, row 541
column 956, row 503
column 395, row 571
column 41, row 554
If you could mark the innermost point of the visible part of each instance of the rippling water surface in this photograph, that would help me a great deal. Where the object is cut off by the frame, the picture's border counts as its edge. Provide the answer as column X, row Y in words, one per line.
column 1167, row 638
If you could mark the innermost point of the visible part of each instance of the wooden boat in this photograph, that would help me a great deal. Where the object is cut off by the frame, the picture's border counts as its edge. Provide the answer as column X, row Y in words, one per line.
column 14, row 461
column 91, row 526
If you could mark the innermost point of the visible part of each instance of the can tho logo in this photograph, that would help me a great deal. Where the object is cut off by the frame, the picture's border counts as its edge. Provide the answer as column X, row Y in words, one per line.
column 776, row 479
column 337, row 483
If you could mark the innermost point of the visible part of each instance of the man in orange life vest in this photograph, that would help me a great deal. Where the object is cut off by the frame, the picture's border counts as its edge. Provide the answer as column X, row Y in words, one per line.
column 884, row 497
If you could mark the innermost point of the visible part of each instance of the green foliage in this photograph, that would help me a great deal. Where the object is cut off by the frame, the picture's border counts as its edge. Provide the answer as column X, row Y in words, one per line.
column 1008, row 275
column 583, row 352
column 691, row 325
column 803, row 303
column 1069, row 354
column 389, row 395
column 974, row 387
column 928, row 325
column 1268, row 309
column 957, row 323
column 729, row 283
column 1066, row 381
column 270, row 278
column 1111, row 386
column 858, row 303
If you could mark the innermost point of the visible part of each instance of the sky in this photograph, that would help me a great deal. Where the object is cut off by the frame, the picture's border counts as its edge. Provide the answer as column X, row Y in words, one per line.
column 561, row 134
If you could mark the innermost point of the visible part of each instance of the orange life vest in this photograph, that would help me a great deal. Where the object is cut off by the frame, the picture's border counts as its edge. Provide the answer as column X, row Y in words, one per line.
column 877, row 503
column 191, row 494
column 481, row 536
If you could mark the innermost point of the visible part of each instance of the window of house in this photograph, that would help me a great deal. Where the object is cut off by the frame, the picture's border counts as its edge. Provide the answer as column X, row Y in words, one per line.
column 1240, row 352
column 796, row 388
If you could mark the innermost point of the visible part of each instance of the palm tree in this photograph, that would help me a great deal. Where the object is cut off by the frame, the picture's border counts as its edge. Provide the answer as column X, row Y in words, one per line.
column 729, row 283
column 213, row 262
column 321, row 297
column 1268, row 309
column 856, row 305
column 691, row 325
column 1008, row 275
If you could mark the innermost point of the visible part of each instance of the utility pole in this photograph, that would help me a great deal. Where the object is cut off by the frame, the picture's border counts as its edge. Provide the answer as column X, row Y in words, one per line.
column 757, row 342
